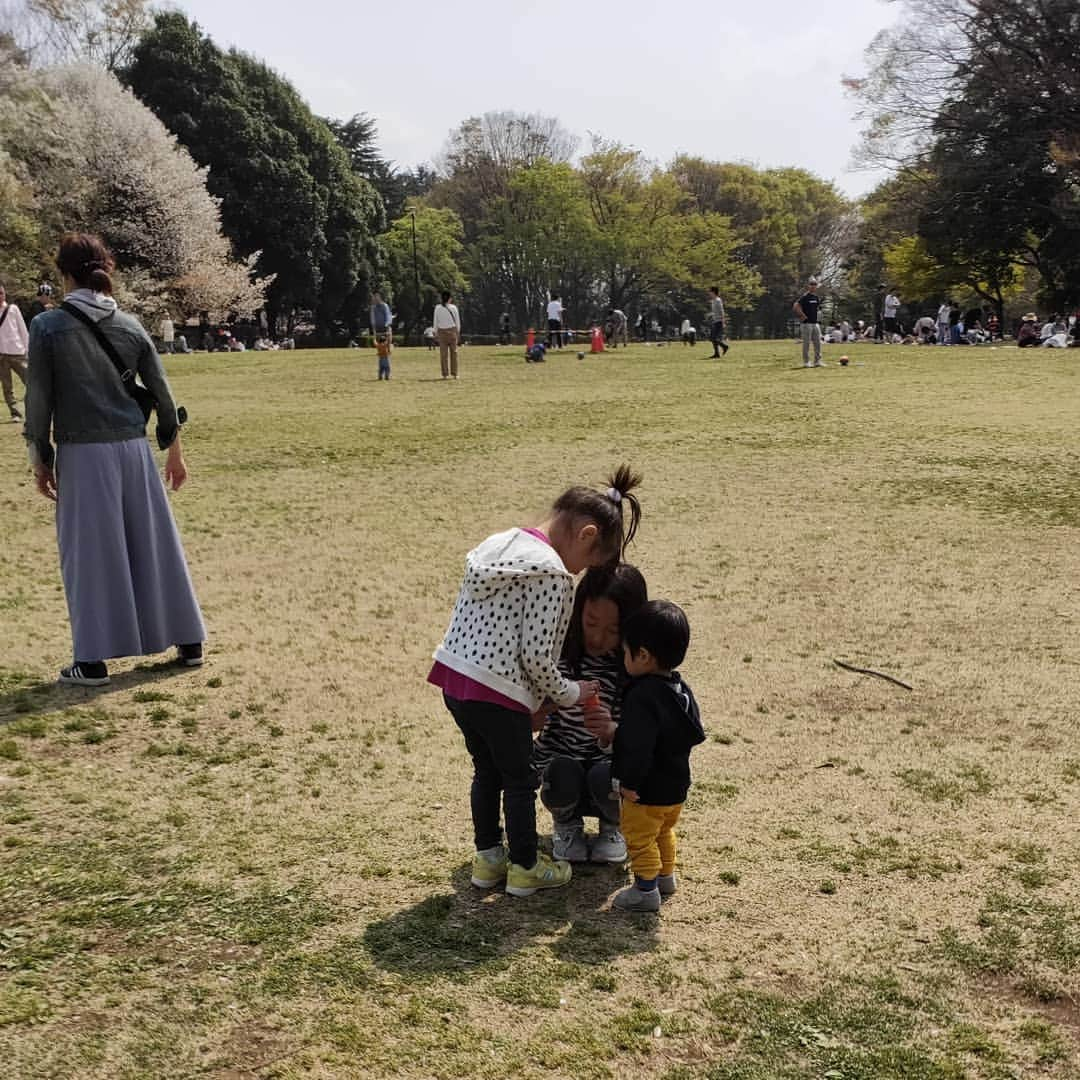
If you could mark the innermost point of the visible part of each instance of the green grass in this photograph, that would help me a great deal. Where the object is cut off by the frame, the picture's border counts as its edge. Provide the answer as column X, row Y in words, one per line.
column 261, row 868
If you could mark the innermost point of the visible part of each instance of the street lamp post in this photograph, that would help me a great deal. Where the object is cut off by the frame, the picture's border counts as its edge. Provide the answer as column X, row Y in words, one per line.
column 416, row 270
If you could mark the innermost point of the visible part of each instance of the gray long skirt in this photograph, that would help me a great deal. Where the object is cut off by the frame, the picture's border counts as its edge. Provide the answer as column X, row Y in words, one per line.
column 128, row 589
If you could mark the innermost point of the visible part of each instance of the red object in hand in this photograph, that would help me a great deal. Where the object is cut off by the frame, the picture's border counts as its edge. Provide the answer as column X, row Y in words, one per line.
column 592, row 701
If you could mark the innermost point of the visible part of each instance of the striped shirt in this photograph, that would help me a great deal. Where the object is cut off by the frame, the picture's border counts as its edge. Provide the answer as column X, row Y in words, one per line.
column 565, row 734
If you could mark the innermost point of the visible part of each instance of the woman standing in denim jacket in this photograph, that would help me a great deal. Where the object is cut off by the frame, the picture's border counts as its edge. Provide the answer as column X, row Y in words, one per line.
column 126, row 580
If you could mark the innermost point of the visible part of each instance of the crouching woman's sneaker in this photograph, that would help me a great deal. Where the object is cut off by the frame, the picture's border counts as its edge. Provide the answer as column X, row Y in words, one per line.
column 609, row 847
column 546, row 874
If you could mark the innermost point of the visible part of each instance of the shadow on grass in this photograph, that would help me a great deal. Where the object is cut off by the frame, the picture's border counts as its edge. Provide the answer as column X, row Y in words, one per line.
column 22, row 694
column 470, row 931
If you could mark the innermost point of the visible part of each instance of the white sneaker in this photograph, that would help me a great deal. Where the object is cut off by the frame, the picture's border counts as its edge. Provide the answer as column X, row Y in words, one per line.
column 667, row 884
column 818, row 363
column 570, row 846
column 609, row 847
column 806, row 363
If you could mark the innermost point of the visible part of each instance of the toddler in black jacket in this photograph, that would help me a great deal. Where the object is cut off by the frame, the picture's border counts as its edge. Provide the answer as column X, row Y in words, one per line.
column 660, row 725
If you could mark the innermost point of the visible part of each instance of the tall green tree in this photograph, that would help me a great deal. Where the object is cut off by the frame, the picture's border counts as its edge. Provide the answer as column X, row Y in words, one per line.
column 989, row 109
column 437, row 267
column 289, row 196
column 359, row 138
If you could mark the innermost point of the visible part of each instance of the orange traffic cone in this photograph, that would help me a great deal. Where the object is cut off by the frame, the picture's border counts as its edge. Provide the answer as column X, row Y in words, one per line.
column 530, row 339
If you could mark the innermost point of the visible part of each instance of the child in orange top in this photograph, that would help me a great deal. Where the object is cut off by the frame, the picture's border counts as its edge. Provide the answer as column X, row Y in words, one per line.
column 383, row 348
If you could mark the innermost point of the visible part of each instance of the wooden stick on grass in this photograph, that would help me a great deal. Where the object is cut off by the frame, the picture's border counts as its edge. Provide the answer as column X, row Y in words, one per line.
column 870, row 671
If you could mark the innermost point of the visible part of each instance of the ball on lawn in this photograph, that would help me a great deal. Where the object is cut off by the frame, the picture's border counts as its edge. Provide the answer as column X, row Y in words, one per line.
column 843, row 361
column 581, row 356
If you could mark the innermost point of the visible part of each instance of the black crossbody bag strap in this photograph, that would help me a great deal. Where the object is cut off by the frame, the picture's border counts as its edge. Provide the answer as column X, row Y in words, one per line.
column 3, row 318
column 127, row 375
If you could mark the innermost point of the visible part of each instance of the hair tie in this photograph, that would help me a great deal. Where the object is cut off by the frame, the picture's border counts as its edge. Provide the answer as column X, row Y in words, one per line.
column 615, row 495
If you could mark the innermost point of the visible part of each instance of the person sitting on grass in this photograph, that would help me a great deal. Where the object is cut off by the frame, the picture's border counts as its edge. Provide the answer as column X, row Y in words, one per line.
column 572, row 755
column 1028, row 334
column 660, row 725
column 497, row 666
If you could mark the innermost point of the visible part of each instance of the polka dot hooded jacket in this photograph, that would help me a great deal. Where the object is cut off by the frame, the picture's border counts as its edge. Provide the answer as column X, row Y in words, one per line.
column 510, row 620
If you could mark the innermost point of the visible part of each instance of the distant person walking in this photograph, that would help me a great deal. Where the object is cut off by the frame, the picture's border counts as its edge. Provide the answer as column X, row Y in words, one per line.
column 555, row 321
column 879, row 312
column 716, row 317
column 447, row 323
column 168, row 333
column 125, row 576
column 380, row 318
column 806, row 308
column 14, row 344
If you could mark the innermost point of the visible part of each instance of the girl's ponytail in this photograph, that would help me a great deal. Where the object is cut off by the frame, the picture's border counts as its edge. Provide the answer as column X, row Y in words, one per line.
column 623, row 483
column 607, row 509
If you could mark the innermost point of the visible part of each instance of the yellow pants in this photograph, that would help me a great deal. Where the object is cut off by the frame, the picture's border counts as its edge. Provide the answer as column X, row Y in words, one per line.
column 650, row 837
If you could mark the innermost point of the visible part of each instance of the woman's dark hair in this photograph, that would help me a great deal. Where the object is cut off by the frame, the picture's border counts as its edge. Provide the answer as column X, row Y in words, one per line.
column 445, row 296
column 87, row 260
column 624, row 585
column 607, row 510
column 661, row 627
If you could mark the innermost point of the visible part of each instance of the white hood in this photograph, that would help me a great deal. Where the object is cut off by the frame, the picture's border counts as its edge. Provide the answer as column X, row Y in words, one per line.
column 97, row 305
column 511, row 555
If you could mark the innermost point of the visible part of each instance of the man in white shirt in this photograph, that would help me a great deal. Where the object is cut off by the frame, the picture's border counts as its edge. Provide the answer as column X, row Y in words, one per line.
column 889, row 310
column 14, row 342
column 943, row 323
column 447, row 323
column 168, row 333
column 554, row 317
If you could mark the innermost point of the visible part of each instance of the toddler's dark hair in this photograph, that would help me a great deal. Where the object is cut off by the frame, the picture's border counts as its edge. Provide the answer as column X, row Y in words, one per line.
column 623, row 584
column 85, row 258
column 661, row 627
column 606, row 509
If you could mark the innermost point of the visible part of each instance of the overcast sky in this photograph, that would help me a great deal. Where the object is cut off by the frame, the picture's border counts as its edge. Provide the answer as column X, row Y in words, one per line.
column 752, row 81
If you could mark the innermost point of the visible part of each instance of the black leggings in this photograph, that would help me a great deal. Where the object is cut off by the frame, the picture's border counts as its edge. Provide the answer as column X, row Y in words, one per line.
column 499, row 740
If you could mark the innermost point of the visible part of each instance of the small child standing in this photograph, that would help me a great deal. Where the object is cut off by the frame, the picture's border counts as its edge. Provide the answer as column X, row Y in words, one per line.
column 382, row 347
column 498, row 665
column 659, row 726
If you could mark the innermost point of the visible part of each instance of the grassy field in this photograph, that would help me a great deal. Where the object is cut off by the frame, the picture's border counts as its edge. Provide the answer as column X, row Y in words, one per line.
column 260, row 869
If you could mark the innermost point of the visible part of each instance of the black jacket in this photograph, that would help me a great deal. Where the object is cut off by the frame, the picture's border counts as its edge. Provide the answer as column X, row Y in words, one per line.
column 659, row 726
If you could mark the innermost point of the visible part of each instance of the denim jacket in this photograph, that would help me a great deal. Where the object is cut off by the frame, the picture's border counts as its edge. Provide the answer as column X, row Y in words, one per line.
column 74, row 389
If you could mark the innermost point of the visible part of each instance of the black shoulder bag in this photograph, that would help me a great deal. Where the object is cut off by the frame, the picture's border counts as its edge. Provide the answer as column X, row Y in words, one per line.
column 143, row 397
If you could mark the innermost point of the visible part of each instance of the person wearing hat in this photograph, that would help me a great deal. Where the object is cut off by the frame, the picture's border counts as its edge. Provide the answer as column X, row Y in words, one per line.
column 42, row 302
column 806, row 308
column 1028, row 334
